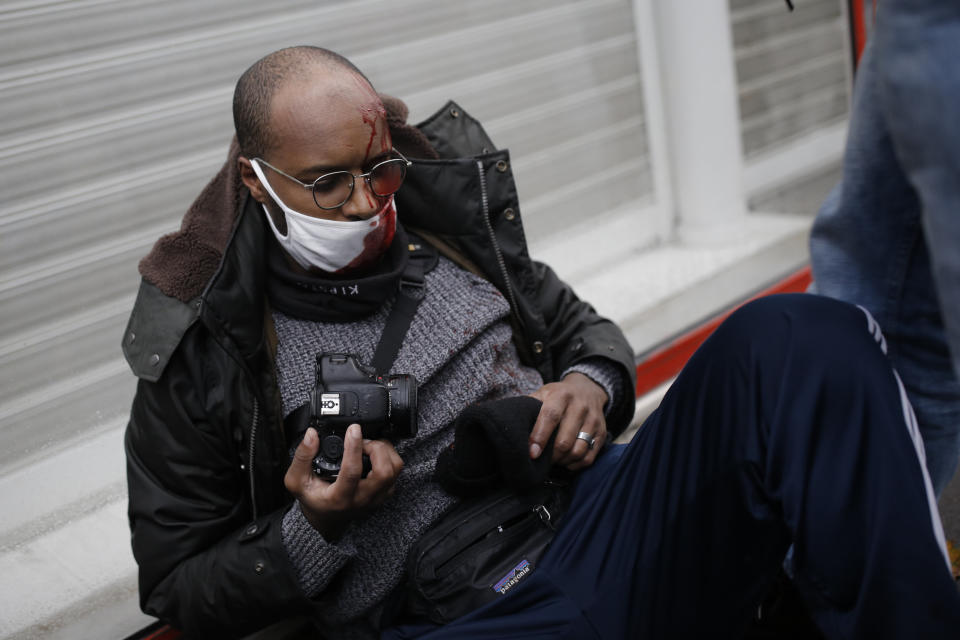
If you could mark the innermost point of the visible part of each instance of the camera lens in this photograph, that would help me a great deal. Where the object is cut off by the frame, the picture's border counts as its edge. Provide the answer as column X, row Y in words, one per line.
column 402, row 390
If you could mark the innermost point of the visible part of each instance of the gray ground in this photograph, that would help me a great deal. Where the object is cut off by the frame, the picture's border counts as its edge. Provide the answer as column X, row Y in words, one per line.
column 805, row 196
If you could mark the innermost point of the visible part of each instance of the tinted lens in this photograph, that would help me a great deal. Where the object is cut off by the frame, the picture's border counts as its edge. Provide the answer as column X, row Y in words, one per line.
column 386, row 177
column 333, row 189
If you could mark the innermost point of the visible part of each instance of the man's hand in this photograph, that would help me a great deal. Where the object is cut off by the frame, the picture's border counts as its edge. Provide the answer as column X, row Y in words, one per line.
column 570, row 406
column 329, row 506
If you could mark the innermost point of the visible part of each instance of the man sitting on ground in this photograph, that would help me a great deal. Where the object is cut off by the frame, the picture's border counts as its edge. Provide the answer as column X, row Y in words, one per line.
column 784, row 429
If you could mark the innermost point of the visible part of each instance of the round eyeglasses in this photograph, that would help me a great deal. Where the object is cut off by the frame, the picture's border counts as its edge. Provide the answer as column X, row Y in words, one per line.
column 333, row 190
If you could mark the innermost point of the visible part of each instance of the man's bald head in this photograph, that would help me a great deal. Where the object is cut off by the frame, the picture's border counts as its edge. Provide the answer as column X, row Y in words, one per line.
column 258, row 84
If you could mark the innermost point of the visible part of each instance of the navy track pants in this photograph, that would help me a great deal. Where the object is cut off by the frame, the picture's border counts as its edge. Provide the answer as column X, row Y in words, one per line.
column 787, row 427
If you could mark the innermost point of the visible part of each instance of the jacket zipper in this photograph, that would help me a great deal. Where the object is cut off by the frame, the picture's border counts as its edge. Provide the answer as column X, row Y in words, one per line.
column 253, row 443
column 493, row 240
column 253, row 425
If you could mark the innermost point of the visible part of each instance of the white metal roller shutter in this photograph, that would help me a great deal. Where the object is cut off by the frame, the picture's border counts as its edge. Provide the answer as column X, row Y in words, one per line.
column 114, row 113
column 792, row 70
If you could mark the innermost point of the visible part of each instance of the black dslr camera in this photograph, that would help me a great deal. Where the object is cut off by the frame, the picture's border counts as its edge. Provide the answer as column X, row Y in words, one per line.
column 346, row 392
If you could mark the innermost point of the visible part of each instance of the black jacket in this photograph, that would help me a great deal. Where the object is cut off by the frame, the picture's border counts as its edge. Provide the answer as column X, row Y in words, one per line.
column 206, row 453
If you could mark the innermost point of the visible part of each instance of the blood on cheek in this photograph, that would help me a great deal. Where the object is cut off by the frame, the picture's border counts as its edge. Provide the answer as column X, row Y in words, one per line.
column 377, row 241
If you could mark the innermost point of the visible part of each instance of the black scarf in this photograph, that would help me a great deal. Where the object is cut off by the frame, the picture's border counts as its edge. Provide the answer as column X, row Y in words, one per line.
column 334, row 299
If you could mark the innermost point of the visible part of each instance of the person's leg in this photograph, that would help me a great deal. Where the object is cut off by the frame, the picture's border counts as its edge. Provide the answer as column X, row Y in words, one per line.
column 867, row 247
column 918, row 351
column 918, row 44
column 787, row 425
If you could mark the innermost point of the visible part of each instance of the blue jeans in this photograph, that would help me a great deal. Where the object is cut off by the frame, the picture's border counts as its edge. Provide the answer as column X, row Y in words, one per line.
column 888, row 237
column 787, row 427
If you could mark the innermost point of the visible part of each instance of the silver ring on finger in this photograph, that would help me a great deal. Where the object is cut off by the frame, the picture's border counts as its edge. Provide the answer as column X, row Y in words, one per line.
column 589, row 439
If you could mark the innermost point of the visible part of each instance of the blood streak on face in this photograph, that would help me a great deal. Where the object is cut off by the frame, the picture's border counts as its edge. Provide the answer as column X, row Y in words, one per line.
column 372, row 114
column 370, row 117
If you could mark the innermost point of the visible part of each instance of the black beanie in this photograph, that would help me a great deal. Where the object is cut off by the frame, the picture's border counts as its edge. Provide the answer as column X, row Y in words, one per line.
column 491, row 449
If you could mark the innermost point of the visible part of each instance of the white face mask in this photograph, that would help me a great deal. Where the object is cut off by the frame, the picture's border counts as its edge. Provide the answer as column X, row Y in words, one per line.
column 332, row 245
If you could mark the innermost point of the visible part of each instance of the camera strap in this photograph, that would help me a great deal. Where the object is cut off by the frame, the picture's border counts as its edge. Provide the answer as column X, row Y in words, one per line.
column 411, row 291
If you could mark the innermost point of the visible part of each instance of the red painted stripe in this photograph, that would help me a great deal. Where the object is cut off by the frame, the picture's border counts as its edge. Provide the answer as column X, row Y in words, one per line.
column 859, row 25
column 666, row 361
column 165, row 632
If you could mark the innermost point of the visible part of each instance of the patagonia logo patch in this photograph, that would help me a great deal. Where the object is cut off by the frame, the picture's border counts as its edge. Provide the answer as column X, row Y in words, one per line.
column 516, row 574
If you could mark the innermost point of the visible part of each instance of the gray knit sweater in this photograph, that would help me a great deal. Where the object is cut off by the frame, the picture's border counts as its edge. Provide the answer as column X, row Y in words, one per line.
column 459, row 348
